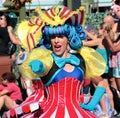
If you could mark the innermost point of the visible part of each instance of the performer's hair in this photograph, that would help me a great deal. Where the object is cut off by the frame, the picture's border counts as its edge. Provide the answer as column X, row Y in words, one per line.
column 74, row 34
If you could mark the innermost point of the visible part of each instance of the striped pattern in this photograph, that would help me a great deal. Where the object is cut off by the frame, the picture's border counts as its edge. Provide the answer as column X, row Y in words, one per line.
column 78, row 18
column 62, row 13
column 34, row 34
column 26, row 106
column 62, row 102
column 58, row 16
column 29, row 32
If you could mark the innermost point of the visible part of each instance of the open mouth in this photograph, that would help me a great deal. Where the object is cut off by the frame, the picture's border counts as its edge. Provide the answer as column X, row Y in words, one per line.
column 57, row 47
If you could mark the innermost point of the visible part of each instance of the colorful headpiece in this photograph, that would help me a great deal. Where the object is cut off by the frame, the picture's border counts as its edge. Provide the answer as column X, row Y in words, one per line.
column 30, row 32
column 57, row 20
column 75, row 34
column 59, row 15
column 61, row 20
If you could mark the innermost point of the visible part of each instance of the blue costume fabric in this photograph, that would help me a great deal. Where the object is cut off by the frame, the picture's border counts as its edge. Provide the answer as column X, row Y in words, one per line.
column 52, row 76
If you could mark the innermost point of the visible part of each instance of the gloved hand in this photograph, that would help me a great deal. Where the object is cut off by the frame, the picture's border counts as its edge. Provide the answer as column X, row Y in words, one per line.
column 99, row 92
column 37, row 66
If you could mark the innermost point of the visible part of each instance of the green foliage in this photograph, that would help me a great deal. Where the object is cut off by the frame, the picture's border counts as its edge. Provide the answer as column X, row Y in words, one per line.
column 95, row 18
column 87, row 1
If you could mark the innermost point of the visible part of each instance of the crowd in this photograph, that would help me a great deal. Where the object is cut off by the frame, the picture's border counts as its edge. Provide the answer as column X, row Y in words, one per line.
column 66, row 69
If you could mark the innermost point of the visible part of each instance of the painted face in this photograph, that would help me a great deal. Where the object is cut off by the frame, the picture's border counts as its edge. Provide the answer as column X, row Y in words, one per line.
column 59, row 45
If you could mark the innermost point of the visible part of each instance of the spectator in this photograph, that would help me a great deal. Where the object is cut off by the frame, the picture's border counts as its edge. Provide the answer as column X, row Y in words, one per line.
column 102, row 49
column 90, row 29
column 110, row 20
column 115, row 12
column 10, row 94
column 115, row 48
column 6, row 35
column 115, row 81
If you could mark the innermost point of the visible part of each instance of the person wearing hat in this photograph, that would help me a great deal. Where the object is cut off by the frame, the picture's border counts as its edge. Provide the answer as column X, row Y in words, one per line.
column 59, row 92
column 90, row 28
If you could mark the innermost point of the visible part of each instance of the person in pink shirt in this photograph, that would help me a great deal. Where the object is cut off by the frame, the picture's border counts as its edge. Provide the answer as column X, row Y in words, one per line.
column 10, row 94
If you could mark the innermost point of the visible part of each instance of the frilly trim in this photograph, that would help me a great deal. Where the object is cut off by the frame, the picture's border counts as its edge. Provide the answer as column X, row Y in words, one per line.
column 95, row 63
column 41, row 54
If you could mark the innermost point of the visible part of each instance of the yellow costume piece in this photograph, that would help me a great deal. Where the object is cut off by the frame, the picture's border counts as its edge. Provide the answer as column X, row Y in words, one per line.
column 29, row 33
column 59, row 15
column 95, row 64
column 41, row 54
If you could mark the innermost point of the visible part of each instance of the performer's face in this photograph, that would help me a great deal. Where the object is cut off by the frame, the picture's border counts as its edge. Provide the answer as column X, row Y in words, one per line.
column 59, row 44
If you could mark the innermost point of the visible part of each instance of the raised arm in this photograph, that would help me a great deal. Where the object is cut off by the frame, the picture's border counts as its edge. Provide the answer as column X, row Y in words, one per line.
column 94, row 42
column 90, row 35
column 91, row 43
column 13, row 37
column 113, row 48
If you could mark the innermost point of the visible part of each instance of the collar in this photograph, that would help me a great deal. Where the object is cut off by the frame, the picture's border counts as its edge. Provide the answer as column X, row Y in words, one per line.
column 60, row 62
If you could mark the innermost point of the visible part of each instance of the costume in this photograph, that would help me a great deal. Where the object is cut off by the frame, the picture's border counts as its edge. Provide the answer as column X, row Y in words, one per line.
column 5, row 61
column 57, row 73
column 58, row 92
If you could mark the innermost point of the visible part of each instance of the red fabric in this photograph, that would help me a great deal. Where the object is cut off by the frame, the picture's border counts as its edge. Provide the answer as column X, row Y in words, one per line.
column 12, row 112
column 26, row 108
column 1, row 87
column 62, row 101
column 85, row 98
column 37, row 84
column 86, row 82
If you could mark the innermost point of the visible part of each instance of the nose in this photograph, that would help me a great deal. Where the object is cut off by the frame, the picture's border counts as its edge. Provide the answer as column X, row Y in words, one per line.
column 56, row 39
